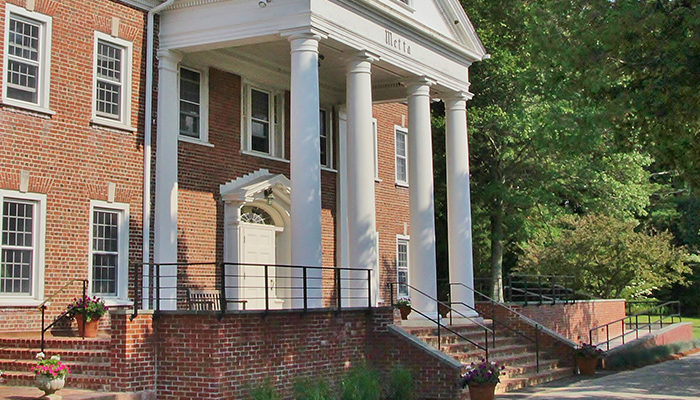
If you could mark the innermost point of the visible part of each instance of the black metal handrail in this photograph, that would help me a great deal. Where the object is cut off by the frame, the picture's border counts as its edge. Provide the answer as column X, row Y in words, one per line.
column 535, row 340
column 657, row 311
column 542, row 288
column 44, row 303
column 226, row 280
column 439, row 325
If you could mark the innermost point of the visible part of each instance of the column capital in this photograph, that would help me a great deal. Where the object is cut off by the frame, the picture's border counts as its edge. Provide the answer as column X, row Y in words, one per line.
column 306, row 32
column 168, row 59
column 361, row 62
column 456, row 101
column 419, row 86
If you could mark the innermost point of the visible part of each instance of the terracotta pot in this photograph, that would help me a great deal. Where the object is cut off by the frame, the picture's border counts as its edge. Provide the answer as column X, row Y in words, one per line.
column 405, row 310
column 482, row 392
column 586, row 365
column 49, row 385
column 88, row 329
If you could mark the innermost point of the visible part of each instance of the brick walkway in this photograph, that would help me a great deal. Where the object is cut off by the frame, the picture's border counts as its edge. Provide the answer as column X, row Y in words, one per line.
column 670, row 380
column 30, row 393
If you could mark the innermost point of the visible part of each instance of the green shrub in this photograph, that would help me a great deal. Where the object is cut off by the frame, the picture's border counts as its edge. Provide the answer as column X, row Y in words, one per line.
column 400, row 384
column 360, row 383
column 313, row 390
column 635, row 358
column 264, row 392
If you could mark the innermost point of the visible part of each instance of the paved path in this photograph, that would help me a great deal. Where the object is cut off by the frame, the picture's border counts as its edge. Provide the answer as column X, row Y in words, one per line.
column 670, row 380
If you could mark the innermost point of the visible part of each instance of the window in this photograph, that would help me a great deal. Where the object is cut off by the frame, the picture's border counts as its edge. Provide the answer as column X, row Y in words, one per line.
column 326, row 136
column 21, row 261
column 376, row 149
column 109, row 250
column 112, row 81
column 27, row 58
column 402, row 266
column 401, row 147
column 193, row 103
column 263, row 121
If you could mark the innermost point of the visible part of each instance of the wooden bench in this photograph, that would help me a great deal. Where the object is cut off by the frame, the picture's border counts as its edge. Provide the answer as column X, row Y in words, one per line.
column 208, row 300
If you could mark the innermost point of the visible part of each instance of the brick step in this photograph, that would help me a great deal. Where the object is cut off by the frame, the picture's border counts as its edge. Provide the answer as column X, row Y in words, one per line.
column 507, row 360
column 96, row 356
column 102, row 342
column 510, row 384
column 503, row 351
column 462, row 330
column 466, row 347
column 82, row 368
column 530, row 368
column 447, row 337
column 460, row 344
column 77, row 381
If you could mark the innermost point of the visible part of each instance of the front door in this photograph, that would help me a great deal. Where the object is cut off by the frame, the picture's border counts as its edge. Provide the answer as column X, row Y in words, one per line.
column 258, row 242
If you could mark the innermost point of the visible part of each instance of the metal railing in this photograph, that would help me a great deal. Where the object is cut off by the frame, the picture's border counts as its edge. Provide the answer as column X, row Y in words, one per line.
column 498, row 321
column 44, row 304
column 439, row 325
column 631, row 325
column 230, row 287
column 540, row 289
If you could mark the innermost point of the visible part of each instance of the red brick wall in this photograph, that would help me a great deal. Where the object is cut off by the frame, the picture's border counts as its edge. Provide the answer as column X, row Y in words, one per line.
column 575, row 320
column 199, row 356
column 68, row 159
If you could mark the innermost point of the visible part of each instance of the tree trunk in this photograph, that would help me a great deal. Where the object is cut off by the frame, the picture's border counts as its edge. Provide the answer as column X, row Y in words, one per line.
column 497, row 237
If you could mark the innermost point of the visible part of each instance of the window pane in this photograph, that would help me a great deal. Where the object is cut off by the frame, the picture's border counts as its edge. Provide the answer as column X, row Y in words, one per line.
column 260, row 105
column 24, row 38
column 109, row 61
column 189, row 85
column 16, row 271
column 104, row 274
column 17, row 224
column 22, row 81
column 189, row 103
column 400, row 143
column 260, row 136
column 401, row 169
column 324, row 138
column 105, row 247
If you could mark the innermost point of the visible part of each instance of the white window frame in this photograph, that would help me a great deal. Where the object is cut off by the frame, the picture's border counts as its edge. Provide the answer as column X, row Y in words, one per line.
column 399, row 129
column 124, row 122
column 203, row 106
column 44, row 75
column 329, row 137
column 37, row 292
column 375, row 134
column 277, row 119
column 399, row 240
column 122, row 296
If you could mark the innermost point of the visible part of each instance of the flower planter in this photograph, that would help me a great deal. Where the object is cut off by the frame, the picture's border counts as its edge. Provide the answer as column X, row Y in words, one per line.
column 586, row 365
column 482, row 392
column 49, row 385
column 405, row 310
column 89, row 329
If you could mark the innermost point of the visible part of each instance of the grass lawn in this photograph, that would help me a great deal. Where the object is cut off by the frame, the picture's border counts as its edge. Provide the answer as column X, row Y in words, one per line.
column 696, row 326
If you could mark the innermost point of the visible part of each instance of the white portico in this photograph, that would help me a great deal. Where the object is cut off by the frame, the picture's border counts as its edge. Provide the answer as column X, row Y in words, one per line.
column 339, row 54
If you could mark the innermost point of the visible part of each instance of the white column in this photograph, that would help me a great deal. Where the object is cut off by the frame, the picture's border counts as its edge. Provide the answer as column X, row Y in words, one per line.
column 165, row 234
column 422, row 268
column 360, row 176
column 305, row 166
column 459, row 217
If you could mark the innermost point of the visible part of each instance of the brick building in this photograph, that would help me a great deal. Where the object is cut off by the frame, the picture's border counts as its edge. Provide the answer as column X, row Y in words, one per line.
column 243, row 139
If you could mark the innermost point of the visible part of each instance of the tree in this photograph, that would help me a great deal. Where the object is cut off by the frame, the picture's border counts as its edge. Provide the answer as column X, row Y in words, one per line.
column 607, row 257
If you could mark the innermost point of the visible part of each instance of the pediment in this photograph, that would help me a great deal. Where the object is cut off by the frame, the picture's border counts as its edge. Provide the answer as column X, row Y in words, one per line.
column 251, row 186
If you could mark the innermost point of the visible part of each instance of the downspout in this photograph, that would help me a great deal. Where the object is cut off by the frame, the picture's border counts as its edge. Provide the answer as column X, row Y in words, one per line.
column 148, row 130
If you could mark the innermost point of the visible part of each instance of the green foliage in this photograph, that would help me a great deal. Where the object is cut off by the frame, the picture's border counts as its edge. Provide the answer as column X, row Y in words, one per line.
column 313, row 390
column 361, row 383
column 264, row 391
column 639, row 357
column 400, row 384
column 608, row 257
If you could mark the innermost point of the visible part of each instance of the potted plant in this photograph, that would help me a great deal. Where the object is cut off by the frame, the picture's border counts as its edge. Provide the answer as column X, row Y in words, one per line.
column 587, row 356
column 87, row 312
column 404, row 306
column 482, row 379
column 50, row 373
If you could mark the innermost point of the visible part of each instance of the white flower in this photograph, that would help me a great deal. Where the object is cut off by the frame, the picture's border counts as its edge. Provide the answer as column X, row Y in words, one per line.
column 57, row 358
column 40, row 355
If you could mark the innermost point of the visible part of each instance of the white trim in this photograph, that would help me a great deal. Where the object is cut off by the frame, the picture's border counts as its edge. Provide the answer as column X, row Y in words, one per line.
column 122, row 209
column 406, row 239
column 38, row 267
column 375, row 129
column 203, row 106
column 404, row 131
column 263, row 155
column 44, row 70
column 124, row 122
column 329, row 136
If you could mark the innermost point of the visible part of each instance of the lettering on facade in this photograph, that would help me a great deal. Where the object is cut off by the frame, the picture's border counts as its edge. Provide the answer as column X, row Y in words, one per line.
column 397, row 42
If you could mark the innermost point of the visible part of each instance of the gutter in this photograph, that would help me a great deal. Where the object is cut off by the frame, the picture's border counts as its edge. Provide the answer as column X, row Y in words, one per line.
column 148, row 131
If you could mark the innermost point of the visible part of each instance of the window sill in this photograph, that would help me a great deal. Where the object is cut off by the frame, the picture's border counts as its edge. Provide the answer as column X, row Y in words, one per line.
column 194, row 141
column 377, row 180
column 329, row 169
column 263, row 155
column 115, row 302
column 20, row 302
column 29, row 107
column 401, row 184
column 97, row 121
